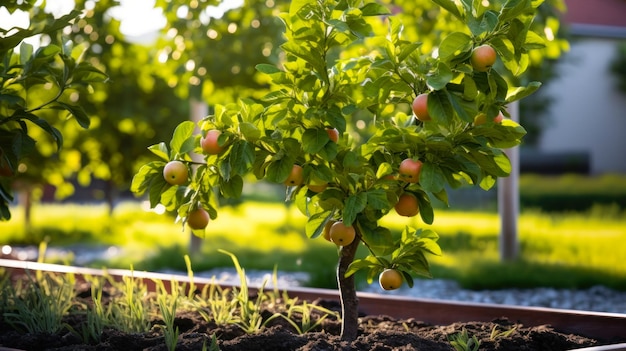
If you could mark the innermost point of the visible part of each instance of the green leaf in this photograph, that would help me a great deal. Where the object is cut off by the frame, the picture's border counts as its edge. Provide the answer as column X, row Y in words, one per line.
column 470, row 90
column 249, row 131
column 331, row 198
column 313, row 140
column 78, row 112
column 487, row 182
column 440, row 78
column 267, row 68
column 189, row 145
column 86, row 73
column 503, row 162
column 486, row 23
column 450, row 6
column 519, row 93
column 182, row 132
column 533, row 41
column 354, row 205
column 233, row 187
column 431, row 177
column 278, row 171
column 379, row 239
column 160, row 150
column 315, row 224
column 377, row 199
column 369, row 262
column 26, row 52
column 43, row 124
column 241, row 157
column 374, row 9
column 157, row 187
column 514, row 8
column 329, row 151
column 439, row 107
column 12, row 100
column 384, row 169
column 442, row 196
column 407, row 50
column 143, row 177
column 506, row 52
column 47, row 52
column 426, row 209
column 461, row 108
column 454, row 45
column 492, row 161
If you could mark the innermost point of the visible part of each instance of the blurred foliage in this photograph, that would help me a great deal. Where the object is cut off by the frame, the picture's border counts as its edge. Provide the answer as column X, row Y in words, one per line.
column 618, row 66
column 40, row 89
column 572, row 192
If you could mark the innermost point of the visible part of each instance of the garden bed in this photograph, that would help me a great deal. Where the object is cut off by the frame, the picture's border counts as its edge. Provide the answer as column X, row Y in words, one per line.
column 387, row 323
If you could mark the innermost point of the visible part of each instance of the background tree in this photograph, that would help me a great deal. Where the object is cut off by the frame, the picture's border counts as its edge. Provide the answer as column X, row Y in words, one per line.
column 136, row 106
column 38, row 87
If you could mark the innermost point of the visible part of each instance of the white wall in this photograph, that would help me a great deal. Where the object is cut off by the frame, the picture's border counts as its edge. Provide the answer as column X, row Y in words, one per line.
column 588, row 113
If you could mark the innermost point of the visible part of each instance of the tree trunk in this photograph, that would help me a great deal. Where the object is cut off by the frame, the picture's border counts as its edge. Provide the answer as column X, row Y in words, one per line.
column 198, row 110
column 26, row 199
column 109, row 193
column 347, row 293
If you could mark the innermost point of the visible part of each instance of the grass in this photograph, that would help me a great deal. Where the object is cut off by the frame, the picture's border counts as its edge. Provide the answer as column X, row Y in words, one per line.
column 573, row 250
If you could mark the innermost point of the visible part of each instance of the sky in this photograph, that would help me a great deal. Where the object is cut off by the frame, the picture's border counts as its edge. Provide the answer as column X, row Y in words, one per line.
column 151, row 19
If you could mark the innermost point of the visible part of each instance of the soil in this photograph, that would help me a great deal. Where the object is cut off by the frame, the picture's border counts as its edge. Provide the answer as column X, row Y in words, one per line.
column 378, row 333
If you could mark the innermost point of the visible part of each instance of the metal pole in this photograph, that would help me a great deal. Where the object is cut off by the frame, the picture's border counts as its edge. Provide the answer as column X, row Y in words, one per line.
column 508, row 200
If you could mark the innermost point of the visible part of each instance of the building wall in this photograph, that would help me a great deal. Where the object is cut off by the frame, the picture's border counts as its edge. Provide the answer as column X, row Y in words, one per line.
column 588, row 113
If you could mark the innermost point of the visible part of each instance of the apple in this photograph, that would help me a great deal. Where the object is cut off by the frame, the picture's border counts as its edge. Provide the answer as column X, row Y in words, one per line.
column 295, row 177
column 407, row 205
column 198, row 219
column 175, row 173
column 209, row 143
column 483, row 57
column 420, row 107
column 410, row 169
column 481, row 119
column 333, row 134
column 342, row 234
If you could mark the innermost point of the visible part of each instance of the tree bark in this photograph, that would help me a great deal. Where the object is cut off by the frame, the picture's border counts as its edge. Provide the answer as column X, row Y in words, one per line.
column 347, row 292
column 198, row 109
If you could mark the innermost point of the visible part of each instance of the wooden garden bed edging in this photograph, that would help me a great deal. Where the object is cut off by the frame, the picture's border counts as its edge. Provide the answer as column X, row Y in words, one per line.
column 605, row 327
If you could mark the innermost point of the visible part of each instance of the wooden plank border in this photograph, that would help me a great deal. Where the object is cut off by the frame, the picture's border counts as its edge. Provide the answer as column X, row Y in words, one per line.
column 606, row 327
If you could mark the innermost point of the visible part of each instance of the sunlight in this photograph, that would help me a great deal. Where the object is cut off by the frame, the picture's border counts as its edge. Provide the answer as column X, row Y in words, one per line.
column 152, row 19
column 140, row 20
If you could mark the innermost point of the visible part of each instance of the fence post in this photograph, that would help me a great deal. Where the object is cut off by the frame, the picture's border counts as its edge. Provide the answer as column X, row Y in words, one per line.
column 508, row 200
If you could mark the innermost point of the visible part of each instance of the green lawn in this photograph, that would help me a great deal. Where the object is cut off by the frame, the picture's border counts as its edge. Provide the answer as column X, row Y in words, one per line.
column 561, row 250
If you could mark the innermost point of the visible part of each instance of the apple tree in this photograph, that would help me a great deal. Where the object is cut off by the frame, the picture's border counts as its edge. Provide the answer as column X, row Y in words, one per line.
column 36, row 86
column 437, row 120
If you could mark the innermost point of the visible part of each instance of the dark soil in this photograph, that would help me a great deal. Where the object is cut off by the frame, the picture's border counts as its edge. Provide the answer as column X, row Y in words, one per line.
column 376, row 333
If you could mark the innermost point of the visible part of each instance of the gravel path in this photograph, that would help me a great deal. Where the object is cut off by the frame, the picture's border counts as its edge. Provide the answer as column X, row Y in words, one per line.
column 597, row 298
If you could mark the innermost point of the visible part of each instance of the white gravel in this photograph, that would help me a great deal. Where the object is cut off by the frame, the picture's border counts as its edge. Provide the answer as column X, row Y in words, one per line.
column 597, row 298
